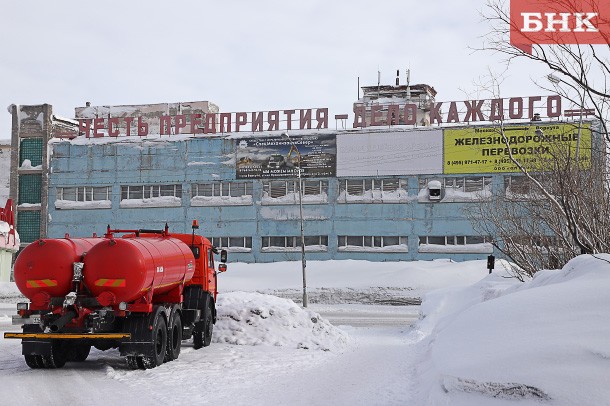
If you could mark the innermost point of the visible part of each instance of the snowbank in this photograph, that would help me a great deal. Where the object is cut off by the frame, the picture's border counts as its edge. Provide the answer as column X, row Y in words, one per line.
column 254, row 319
column 499, row 340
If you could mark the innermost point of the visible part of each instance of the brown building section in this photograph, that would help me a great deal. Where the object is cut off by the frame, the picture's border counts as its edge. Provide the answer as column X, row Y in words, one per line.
column 32, row 129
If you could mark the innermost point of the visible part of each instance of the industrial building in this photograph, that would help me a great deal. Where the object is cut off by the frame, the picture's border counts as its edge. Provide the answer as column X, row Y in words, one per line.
column 395, row 186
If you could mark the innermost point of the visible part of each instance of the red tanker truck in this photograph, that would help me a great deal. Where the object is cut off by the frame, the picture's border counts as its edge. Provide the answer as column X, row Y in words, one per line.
column 141, row 291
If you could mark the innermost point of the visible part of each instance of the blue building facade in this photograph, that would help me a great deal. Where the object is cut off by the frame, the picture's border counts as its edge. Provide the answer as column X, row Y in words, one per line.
column 395, row 192
column 145, row 183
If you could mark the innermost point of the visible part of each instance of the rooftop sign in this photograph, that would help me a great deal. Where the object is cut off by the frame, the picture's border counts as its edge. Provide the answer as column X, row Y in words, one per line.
column 365, row 115
column 207, row 123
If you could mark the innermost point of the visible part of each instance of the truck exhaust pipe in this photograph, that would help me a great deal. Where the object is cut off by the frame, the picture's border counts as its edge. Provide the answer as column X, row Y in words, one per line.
column 62, row 321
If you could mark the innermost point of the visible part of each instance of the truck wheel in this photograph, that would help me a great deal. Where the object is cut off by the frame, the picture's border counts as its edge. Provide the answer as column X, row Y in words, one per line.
column 174, row 337
column 78, row 353
column 202, row 335
column 156, row 348
column 34, row 361
column 58, row 356
column 133, row 362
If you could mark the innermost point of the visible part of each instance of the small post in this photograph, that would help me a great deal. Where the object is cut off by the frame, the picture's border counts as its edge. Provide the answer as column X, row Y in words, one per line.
column 491, row 261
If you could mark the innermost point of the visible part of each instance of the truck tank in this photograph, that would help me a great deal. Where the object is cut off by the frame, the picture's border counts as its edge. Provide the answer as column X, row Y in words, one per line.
column 44, row 268
column 125, row 269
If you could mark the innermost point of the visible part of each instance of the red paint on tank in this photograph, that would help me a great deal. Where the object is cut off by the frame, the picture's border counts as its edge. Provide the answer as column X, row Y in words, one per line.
column 130, row 267
column 46, row 266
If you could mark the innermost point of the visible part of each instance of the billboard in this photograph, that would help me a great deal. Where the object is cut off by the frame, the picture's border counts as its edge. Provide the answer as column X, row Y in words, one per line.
column 415, row 152
column 484, row 150
column 278, row 157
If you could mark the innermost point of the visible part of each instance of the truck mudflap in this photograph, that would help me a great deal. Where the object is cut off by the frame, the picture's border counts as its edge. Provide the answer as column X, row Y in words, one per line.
column 70, row 336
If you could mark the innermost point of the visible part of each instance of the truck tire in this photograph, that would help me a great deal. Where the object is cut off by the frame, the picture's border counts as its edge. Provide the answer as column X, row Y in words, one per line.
column 78, row 353
column 133, row 362
column 34, row 361
column 58, row 356
column 202, row 334
column 156, row 348
column 174, row 337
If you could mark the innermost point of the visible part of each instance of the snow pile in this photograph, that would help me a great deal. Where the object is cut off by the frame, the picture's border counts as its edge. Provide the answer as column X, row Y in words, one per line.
column 160, row 201
column 480, row 248
column 255, row 319
column 375, row 196
column 293, row 198
column 27, row 165
column 546, row 339
column 9, row 292
column 221, row 200
column 75, row 205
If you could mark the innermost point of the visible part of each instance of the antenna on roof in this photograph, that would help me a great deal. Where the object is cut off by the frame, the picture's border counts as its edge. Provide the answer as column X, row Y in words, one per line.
column 408, row 83
column 378, row 82
column 397, row 77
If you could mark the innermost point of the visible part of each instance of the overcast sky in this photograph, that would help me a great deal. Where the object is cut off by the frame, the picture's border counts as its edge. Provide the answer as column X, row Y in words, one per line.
column 242, row 55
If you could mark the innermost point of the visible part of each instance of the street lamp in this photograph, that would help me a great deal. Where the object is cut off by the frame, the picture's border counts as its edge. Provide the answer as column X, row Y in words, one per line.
column 303, row 263
column 556, row 80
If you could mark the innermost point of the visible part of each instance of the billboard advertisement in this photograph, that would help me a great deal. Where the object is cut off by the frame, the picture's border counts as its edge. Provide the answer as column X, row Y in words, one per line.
column 484, row 150
column 278, row 157
column 416, row 152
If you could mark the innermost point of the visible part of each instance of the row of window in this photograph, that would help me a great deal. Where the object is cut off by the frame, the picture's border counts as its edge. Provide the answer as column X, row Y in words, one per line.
column 286, row 191
column 358, row 243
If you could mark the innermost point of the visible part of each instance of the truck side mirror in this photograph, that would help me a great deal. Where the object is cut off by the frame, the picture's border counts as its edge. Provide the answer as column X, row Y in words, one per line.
column 222, row 267
column 223, row 256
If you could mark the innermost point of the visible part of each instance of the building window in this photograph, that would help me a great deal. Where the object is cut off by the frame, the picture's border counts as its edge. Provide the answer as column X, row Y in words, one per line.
column 28, row 225
column 390, row 190
column 455, row 189
column 522, row 188
column 83, row 197
column 455, row 244
column 221, row 193
column 367, row 243
column 286, row 192
column 31, row 149
column 233, row 244
column 313, row 243
column 151, row 196
column 30, row 187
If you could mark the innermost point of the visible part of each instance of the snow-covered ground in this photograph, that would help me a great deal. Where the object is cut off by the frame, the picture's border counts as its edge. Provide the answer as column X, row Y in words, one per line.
column 498, row 341
column 480, row 340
